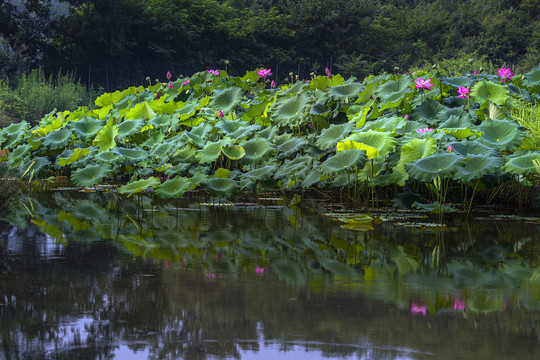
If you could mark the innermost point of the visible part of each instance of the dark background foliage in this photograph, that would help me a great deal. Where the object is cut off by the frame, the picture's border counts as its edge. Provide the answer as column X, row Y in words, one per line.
column 115, row 43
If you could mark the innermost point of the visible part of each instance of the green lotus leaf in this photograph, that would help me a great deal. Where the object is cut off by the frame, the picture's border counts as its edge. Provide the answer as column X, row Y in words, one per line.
column 477, row 166
column 11, row 136
column 462, row 133
column 288, row 148
column 228, row 127
column 466, row 148
column 268, row 133
column 417, row 149
column 75, row 156
column 16, row 128
column 385, row 142
column 222, row 173
column 85, row 128
column 456, row 121
column 105, row 137
column 162, row 149
column 428, row 111
column 233, row 152
column 291, row 112
column 291, row 167
column 345, row 91
column 315, row 176
column 134, row 187
column 109, row 157
column 211, row 151
column 330, row 136
column 152, row 140
column 484, row 91
column 18, row 156
column 35, row 168
column 12, row 140
column 110, row 98
column 261, row 174
column 457, row 81
column 386, row 124
column 257, row 150
column 184, row 154
column 443, row 165
column 501, row 134
column 392, row 91
column 521, row 165
column 162, row 121
column 129, row 127
column 195, row 140
column 57, row 139
column 173, row 188
column 349, row 160
column 180, row 168
column 132, row 154
column 227, row 100
column 371, row 152
column 202, row 130
column 533, row 77
column 222, row 187
column 90, row 175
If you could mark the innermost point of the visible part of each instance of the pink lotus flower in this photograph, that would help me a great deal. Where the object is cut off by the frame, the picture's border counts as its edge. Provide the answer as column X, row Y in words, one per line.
column 406, row 116
column 423, row 84
column 450, row 148
column 475, row 72
column 459, row 304
column 424, row 130
column 169, row 75
column 212, row 71
column 259, row 270
column 463, row 92
column 263, row 73
column 328, row 73
column 272, row 84
column 171, row 86
column 417, row 309
column 220, row 114
column 186, row 82
column 158, row 95
column 505, row 74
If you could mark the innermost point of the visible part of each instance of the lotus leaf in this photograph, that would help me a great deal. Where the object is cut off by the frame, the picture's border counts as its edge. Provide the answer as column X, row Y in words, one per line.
column 501, row 134
column 222, row 187
column 462, row 133
column 77, row 154
column 261, row 174
column 129, row 127
column 428, row 111
column 330, row 136
column 109, row 157
column 466, row 148
column 155, row 138
column 162, row 149
column 16, row 128
column 162, row 121
column 233, row 152
column 184, row 154
column 222, row 173
column 57, row 139
column 227, row 100
column 291, row 112
column 371, row 152
column 105, row 137
column 521, row 165
column 173, row 188
column 386, row 124
column 384, row 142
column 202, row 130
column 315, row 176
column 456, row 81
column 177, row 169
column 477, row 166
column 211, row 151
column 291, row 167
column 345, row 91
column 484, row 91
column 290, row 147
column 392, row 91
column 268, row 133
column 90, row 175
column 85, row 128
column 443, row 165
column 134, row 187
column 456, row 121
column 145, row 171
column 195, row 140
column 349, row 160
column 132, row 154
column 257, row 150
column 533, row 77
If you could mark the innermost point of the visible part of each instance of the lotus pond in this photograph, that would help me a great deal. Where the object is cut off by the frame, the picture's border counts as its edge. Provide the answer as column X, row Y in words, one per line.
column 88, row 275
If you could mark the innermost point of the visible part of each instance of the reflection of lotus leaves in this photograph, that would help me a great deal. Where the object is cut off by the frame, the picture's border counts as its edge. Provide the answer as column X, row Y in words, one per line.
column 521, row 165
column 442, row 165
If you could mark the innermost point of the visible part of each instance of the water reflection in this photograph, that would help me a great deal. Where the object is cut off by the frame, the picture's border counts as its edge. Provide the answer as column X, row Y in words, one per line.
column 98, row 276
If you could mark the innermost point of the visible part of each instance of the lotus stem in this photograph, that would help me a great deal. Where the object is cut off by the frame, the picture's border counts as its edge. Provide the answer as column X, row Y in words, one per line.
column 472, row 198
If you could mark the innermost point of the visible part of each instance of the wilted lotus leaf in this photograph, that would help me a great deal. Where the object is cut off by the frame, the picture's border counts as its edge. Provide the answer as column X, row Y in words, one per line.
column 501, row 134
column 132, row 154
column 233, row 152
column 345, row 91
column 484, row 91
column 227, row 100
column 521, row 165
column 477, row 166
column 173, row 188
column 443, row 165
column 35, row 168
column 135, row 187
column 129, row 127
column 86, row 128
column 222, row 187
column 384, row 142
column 90, row 175
column 57, row 139
column 392, row 91
column 291, row 112
column 349, row 160
column 330, row 136
column 211, row 151
column 257, row 150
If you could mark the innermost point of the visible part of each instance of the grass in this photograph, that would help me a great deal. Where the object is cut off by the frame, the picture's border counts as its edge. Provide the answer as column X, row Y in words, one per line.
column 527, row 114
column 34, row 94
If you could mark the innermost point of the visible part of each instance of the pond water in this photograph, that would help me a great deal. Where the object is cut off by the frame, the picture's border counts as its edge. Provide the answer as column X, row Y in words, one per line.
column 96, row 276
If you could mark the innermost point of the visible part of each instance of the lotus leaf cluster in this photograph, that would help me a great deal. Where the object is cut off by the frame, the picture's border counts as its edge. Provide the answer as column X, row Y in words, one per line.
column 326, row 133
